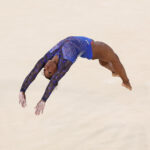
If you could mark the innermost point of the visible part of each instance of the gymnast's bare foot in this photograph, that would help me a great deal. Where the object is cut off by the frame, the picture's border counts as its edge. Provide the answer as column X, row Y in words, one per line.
column 127, row 85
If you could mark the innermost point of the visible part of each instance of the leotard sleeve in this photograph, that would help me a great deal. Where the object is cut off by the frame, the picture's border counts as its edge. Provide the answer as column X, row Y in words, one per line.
column 63, row 68
column 34, row 72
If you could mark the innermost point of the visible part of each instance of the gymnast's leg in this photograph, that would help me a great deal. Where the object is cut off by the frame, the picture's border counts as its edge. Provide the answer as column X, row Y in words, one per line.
column 109, row 66
column 111, row 61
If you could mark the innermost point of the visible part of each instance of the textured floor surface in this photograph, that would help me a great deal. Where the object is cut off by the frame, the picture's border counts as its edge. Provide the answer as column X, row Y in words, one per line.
column 89, row 110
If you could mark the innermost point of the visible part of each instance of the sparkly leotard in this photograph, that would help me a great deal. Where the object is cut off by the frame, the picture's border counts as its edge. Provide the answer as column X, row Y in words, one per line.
column 68, row 50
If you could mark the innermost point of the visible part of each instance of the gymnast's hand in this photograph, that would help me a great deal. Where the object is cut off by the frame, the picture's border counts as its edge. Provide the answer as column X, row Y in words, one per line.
column 22, row 99
column 39, row 107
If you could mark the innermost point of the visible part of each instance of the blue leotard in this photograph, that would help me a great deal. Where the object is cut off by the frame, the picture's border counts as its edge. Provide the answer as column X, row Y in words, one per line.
column 77, row 46
column 68, row 50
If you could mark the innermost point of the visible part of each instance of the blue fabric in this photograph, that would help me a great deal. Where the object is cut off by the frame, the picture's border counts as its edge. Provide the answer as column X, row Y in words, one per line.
column 68, row 50
column 86, row 47
column 75, row 46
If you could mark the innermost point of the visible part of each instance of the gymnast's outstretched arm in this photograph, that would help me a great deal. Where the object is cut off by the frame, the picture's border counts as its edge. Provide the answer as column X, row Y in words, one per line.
column 65, row 66
column 31, row 76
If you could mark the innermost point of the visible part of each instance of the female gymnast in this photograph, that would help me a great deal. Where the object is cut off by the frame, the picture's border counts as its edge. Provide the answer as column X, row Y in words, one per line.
column 57, row 61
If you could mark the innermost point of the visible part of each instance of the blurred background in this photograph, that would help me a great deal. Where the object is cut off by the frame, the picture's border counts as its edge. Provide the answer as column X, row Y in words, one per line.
column 87, row 111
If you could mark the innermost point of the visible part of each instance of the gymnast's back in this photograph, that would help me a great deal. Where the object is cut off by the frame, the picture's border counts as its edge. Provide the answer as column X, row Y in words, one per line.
column 74, row 46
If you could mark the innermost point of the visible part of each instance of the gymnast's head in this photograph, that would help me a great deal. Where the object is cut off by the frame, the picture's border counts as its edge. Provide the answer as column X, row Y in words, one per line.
column 49, row 69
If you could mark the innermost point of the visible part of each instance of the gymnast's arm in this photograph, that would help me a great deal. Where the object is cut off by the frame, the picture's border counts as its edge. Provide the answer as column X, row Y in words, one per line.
column 65, row 66
column 34, row 72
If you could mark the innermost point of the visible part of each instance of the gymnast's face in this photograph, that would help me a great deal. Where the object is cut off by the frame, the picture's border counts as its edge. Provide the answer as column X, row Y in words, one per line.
column 49, row 69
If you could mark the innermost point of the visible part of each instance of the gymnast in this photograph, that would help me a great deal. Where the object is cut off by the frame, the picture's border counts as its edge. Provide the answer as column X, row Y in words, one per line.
column 58, row 60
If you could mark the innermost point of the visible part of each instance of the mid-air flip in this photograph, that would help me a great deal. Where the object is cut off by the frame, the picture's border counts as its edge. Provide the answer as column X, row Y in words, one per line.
column 58, row 60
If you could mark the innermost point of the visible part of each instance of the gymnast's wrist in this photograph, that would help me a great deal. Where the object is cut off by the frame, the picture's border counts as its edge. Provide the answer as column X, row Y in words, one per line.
column 44, row 100
column 22, row 90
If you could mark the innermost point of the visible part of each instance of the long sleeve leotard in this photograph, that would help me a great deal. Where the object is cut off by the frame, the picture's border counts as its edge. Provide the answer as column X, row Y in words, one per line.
column 67, row 50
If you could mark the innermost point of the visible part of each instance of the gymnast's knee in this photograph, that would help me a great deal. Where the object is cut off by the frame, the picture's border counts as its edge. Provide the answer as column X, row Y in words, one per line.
column 103, row 63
